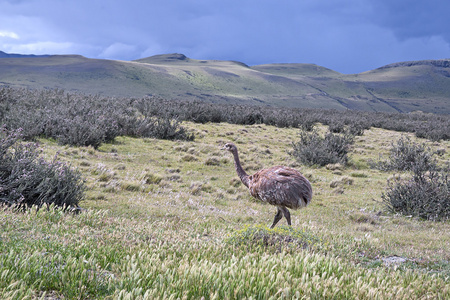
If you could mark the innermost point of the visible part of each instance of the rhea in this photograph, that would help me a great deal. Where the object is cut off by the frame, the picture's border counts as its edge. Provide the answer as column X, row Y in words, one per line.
column 281, row 186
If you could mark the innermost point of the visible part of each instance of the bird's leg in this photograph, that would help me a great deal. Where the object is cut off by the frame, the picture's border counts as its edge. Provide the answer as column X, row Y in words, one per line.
column 277, row 218
column 286, row 214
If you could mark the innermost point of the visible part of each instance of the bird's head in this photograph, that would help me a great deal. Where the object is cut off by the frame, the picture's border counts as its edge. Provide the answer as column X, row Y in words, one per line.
column 230, row 147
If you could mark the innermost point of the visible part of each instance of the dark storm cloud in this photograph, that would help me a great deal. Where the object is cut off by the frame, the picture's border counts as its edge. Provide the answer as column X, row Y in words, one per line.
column 413, row 19
column 345, row 35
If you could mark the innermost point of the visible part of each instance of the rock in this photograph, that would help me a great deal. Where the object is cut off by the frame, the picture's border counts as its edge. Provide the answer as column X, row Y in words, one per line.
column 393, row 260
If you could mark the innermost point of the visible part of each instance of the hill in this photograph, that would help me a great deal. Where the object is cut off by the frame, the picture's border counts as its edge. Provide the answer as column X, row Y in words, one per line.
column 4, row 54
column 400, row 87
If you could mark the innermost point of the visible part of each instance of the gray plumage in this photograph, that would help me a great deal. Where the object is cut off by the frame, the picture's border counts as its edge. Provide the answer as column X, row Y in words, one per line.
column 281, row 186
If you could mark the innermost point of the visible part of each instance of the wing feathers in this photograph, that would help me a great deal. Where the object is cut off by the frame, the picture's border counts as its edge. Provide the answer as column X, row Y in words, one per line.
column 282, row 186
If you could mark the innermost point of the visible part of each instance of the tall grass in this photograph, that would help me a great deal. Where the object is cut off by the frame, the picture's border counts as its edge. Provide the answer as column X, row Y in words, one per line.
column 75, row 267
column 229, row 273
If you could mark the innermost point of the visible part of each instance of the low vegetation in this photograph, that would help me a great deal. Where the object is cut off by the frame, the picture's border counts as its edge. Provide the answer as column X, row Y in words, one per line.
column 80, row 120
column 406, row 155
column 28, row 180
column 425, row 192
column 83, row 120
column 276, row 239
column 143, row 262
column 315, row 149
column 168, row 218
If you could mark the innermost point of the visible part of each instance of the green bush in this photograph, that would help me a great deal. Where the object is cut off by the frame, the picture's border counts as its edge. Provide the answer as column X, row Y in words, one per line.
column 38, row 112
column 336, row 126
column 314, row 149
column 405, row 155
column 27, row 180
column 83, row 120
column 167, row 129
column 353, row 127
column 425, row 195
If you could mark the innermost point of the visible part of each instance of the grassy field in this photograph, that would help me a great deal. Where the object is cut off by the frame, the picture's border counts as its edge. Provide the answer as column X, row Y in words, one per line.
column 170, row 219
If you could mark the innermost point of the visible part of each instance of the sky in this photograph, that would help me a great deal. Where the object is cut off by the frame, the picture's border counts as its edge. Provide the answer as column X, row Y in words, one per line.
column 348, row 36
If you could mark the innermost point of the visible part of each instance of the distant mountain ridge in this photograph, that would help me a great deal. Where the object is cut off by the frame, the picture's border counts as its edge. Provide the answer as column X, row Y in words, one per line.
column 4, row 54
column 441, row 63
column 398, row 87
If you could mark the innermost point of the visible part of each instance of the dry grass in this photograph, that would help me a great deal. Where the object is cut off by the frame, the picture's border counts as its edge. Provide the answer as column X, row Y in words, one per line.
column 170, row 207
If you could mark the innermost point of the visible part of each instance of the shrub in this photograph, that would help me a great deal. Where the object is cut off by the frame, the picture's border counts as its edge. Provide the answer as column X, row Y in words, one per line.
column 435, row 129
column 43, row 108
column 85, row 130
column 405, row 155
column 307, row 125
column 27, row 180
column 357, row 128
column 313, row 149
column 83, row 120
column 337, row 126
column 425, row 195
column 169, row 129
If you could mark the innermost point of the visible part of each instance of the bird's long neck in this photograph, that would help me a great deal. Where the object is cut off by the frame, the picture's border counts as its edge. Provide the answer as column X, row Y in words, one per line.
column 241, row 173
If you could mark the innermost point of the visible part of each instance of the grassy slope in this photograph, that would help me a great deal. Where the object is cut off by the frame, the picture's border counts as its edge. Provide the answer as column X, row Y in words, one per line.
column 160, row 215
column 399, row 87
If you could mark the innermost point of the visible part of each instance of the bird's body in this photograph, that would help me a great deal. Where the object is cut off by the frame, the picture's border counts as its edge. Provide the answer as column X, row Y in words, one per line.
column 281, row 186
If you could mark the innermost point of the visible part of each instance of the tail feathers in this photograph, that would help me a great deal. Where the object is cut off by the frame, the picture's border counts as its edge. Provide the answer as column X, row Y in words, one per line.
column 302, row 202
